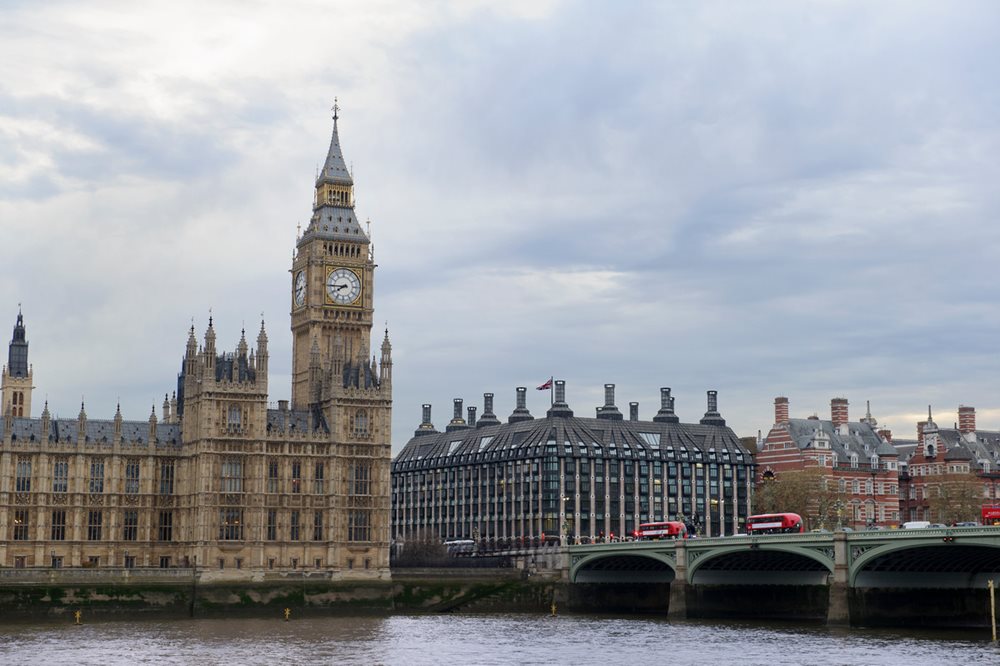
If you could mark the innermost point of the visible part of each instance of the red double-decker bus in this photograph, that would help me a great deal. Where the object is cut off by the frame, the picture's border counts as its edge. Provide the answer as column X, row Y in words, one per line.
column 991, row 515
column 775, row 523
column 670, row 529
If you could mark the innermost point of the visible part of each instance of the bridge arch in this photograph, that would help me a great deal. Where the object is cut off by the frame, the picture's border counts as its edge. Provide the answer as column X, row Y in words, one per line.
column 958, row 562
column 771, row 563
column 616, row 567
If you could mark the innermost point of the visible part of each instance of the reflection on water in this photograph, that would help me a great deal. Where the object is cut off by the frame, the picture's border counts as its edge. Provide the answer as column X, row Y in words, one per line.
column 480, row 639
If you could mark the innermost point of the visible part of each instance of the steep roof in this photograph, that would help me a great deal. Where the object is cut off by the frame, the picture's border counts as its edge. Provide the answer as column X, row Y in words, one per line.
column 574, row 437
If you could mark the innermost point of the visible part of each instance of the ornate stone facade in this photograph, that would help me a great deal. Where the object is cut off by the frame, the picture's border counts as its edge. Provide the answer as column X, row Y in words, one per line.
column 221, row 481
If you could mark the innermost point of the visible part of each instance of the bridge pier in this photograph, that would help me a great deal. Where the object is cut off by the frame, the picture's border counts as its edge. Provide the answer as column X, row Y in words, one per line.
column 838, row 609
column 677, row 605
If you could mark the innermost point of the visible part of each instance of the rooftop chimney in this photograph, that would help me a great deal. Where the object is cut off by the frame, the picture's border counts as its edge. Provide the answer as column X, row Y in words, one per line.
column 780, row 411
column 472, row 417
column 488, row 418
column 457, row 422
column 609, row 410
column 920, row 430
column 712, row 416
column 666, row 413
column 426, row 427
column 966, row 419
column 520, row 412
column 633, row 411
column 559, row 407
column 838, row 411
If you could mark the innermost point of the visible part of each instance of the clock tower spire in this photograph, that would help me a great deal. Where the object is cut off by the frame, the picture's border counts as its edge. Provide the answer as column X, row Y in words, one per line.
column 332, row 276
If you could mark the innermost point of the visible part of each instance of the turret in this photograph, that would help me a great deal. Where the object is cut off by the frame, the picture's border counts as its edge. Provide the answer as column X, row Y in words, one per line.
column 152, row 425
column 385, row 374
column 262, row 355
column 81, row 425
column 118, row 423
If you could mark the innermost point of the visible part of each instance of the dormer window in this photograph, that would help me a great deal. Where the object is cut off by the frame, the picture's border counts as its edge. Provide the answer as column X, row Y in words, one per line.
column 854, row 460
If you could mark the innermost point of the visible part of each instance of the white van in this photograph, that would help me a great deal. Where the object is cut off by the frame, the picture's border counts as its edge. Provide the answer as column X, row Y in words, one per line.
column 916, row 524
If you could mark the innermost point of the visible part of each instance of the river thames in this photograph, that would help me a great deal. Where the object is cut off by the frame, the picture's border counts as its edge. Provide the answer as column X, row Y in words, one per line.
column 480, row 639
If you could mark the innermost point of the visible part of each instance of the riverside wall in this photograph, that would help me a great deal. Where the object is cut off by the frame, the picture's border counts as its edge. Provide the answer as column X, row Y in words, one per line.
column 31, row 594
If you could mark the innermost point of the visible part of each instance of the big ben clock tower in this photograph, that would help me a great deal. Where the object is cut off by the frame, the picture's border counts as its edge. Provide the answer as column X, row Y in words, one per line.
column 332, row 281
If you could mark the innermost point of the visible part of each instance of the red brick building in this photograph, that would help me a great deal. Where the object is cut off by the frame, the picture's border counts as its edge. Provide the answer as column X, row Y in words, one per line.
column 944, row 455
column 857, row 461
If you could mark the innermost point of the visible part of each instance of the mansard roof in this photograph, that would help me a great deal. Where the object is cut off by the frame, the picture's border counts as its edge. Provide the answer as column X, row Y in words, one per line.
column 574, row 437
column 95, row 431
column 985, row 445
column 861, row 439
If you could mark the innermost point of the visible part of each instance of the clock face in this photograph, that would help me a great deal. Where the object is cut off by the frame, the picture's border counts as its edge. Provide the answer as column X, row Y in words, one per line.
column 343, row 286
column 300, row 288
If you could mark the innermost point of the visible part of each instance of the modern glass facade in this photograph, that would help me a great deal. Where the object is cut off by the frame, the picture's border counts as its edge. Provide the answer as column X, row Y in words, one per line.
column 583, row 478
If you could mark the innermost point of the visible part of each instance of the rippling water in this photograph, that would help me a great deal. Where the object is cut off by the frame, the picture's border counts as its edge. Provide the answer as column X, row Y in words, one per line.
column 479, row 639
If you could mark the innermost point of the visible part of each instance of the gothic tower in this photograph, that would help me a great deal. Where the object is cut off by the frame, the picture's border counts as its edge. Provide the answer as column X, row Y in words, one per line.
column 15, row 383
column 332, row 279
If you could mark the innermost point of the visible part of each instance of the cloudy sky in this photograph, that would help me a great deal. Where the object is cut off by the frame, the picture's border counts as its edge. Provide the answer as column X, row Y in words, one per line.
column 767, row 198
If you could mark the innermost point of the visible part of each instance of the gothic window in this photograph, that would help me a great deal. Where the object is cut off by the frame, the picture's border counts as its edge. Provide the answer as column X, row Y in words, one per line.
column 318, row 479
column 318, row 526
column 130, row 525
column 59, row 525
column 272, row 525
column 232, row 475
column 23, row 480
column 272, row 475
column 360, row 479
column 95, row 522
column 96, row 476
column 20, row 525
column 165, row 526
column 132, row 476
column 235, row 416
column 231, row 524
column 295, row 526
column 358, row 525
column 296, row 476
column 360, row 425
column 167, row 477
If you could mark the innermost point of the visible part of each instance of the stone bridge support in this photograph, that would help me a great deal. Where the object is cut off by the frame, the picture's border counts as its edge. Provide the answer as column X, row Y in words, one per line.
column 677, row 608
column 838, row 611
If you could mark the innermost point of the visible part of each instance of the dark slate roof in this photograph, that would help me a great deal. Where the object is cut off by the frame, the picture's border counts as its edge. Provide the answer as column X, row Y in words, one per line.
column 299, row 420
column 96, row 431
column 905, row 448
column 574, row 437
column 985, row 446
column 862, row 439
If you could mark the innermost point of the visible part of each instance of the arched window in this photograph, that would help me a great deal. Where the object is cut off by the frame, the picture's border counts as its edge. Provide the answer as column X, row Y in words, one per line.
column 360, row 425
column 235, row 416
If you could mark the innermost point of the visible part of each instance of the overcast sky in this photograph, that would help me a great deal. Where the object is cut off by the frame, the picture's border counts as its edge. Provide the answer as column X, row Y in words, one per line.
column 762, row 198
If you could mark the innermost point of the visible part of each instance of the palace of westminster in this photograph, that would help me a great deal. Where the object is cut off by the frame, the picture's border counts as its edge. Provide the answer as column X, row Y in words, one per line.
column 220, row 481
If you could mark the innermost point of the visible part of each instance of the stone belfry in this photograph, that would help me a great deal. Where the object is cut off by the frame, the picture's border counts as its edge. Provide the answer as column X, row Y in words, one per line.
column 15, row 382
column 332, row 280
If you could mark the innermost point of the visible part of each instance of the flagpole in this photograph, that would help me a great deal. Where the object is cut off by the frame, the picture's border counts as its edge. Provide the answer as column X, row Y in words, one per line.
column 552, row 391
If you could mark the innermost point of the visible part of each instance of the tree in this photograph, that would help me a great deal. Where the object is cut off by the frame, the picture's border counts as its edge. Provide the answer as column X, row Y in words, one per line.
column 807, row 492
column 955, row 498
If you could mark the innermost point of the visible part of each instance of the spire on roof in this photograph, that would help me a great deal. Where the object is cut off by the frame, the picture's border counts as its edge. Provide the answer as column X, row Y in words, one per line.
column 334, row 168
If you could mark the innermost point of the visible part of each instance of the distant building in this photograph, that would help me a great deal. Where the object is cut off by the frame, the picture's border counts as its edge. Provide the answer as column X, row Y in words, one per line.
column 567, row 476
column 943, row 455
column 855, row 459
column 221, row 481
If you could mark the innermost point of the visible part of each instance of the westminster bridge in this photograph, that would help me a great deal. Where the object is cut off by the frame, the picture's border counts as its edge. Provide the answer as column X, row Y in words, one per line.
column 926, row 576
